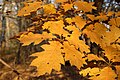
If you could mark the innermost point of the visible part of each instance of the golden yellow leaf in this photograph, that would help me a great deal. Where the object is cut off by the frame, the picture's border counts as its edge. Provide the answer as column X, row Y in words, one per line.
column 80, row 23
column 49, row 9
column 101, row 17
column 31, row 7
column 112, row 35
column 100, row 34
column 117, row 14
column 110, row 13
column 91, row 57
column 105, row 74
column 94, row 37
column 36, row 38
column 74, row 39
column 49, row 59
column 90, row 27
column 118, row 71
column 115, row 21
column 90, row 71
column 92, row 17
column 84, row 6
column 73, row 55
column 100, row 29
column 112, row 53
column 67, row 6
column 60, row 1
column 55, row 27
column 69, row 20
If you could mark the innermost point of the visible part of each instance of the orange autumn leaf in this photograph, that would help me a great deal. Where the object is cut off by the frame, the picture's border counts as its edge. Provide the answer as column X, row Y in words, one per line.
column 80, row 23
column 110, row 13
column 73, row 55
column 101, row 17
column 105, row 74
column 112, row 53
column 73, row 39
column 90, row 71
column 69, row 20
column 55, row 27
column 49, row 9
column 92, row 17
column 31, row 7
column 91, row 57
column 67, row 7
column 49, row 59
column 115, row 21
column 117, row 14
column 118, row 71
column 112, row 35
column 84, row 6
column 36, row 38
column 60, row 1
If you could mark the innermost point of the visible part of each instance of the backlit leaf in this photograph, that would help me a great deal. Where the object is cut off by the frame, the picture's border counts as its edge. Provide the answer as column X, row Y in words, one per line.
column 49, row 9
column 112, row 54
column 90, row 71
column 67, row 7
column 105, row 74
column 36, row 38
column 31, row 7
column 74, row 39
column 49, row 59
column 55, row 27
column 84, row 6
column 73, row 55
column 80, row 23
column 115, row 21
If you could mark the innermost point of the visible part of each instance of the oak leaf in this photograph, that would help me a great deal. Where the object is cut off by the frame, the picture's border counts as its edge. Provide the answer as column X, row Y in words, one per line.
column 60, row 1
column 105, row 74
column 117, row 14
column 110, row 13
column 36, row 38
column 67, row 6
column 55, row 27
column 73, row 55
column 90, row 71
column 112, row 35
column 112, row 53
column 49, row 9
column 80, row 23
column 90, row 16
column 115, row 21
column 31, row 7
column 69, row 20
column 73, row 39
column 84, row 6
column 91, row 57
column 50, row 58
column 101, row 17
column 118, row 71
column 94, row 37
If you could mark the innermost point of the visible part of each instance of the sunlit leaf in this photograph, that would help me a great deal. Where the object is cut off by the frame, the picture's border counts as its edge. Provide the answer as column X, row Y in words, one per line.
column 105, row 74
column 36, row 38
column 84, row 6
column 80, row 23
column 67, row 7
column 49, row 59
column 73, row 55
column 49, row 9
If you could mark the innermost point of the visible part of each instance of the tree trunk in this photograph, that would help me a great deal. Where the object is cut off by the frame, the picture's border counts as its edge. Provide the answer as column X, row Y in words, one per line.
column 98, row 4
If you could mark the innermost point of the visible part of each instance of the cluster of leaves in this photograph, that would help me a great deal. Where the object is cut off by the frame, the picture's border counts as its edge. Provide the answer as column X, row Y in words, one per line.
column 69, row 30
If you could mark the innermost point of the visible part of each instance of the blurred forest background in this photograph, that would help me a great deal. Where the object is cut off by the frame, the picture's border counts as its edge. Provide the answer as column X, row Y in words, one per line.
column 11, row 25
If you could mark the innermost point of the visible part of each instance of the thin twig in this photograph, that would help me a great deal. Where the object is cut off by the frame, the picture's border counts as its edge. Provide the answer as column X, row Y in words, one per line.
column 7, row 65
